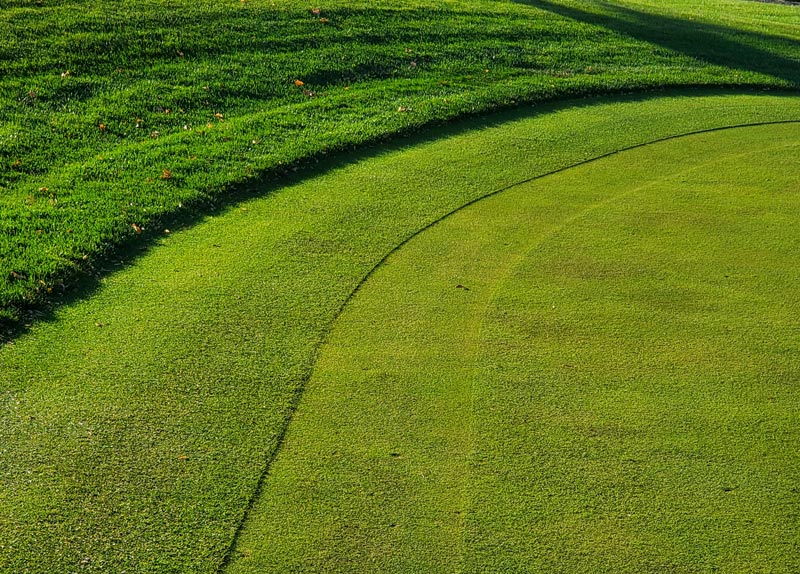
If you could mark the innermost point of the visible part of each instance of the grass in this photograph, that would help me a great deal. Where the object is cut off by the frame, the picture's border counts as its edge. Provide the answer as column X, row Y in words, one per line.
column 665, row 414
column 591, row 372
column 137, row 423
column 120, row 120
column 139, row 418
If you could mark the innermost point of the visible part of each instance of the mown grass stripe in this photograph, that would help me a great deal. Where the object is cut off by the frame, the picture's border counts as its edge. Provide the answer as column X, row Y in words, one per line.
column 280, row 441
column 346, row 493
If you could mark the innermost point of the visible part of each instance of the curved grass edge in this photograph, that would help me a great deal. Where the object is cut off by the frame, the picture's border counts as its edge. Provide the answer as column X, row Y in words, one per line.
column 83, row 265
column 312, row 453
column 208, row 350
column 365, row 278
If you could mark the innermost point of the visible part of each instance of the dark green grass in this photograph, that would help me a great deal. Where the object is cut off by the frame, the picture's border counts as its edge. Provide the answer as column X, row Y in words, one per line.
column 121, row 117
column 595, row 372
column 135, row 426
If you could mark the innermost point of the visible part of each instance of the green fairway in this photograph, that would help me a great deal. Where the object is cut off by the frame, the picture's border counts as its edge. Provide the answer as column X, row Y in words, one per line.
column 137, row 423
column 121, row 119
column 399, row 286
column 591, row 372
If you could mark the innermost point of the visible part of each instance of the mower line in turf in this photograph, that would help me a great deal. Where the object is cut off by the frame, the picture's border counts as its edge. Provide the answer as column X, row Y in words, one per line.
column 366, row 277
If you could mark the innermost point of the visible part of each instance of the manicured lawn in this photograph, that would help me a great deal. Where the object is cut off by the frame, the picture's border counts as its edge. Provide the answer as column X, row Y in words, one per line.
column 591, row 372
column 119, row 120
column 137, row 424
column 556, row 338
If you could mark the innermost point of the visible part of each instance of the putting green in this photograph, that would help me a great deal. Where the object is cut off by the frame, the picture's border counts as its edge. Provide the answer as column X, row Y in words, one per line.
column 595, row 371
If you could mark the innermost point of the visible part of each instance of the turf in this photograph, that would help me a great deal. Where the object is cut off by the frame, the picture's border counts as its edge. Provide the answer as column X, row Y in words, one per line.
column 136, row 424
column 591, row 372
column 120, row 119
column 653, row 337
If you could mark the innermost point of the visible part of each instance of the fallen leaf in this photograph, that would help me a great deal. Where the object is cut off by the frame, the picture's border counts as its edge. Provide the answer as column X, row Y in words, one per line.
column 166, row 174
column 324, row 20
column 299, row 83
column 316, row 11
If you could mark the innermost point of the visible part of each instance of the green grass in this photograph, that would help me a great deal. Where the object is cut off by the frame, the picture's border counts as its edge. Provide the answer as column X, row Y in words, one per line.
column 136, row 425
column 644, row 363
column 138, row 418
column 121, row 119
column 591, row 372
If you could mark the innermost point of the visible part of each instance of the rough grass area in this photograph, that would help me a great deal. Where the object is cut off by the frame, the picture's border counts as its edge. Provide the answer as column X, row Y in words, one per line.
column 593, row 372
column 120, row 118
column 136, row 425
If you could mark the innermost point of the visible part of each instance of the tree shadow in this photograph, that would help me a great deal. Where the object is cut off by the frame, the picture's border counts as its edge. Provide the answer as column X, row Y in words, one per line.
column 711, row 43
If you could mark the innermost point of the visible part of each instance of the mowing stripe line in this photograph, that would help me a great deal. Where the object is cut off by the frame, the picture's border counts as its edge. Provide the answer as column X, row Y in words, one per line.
column 295, row 402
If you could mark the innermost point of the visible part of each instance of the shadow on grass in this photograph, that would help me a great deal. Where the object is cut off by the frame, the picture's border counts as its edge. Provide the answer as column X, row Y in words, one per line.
column 120, row 256
column 711, row 43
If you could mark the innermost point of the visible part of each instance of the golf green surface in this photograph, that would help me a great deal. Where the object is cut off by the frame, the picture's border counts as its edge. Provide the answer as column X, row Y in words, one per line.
column 591, row 372
column 588, row 371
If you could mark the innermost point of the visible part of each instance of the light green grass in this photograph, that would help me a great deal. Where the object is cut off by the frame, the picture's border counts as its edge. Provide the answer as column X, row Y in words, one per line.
column 638, row 373
column 594, row 372
column 118, row 119
column 135, row 426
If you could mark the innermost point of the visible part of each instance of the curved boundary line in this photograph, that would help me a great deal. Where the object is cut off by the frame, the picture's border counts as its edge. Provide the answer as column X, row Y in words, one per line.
column 298, row 393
